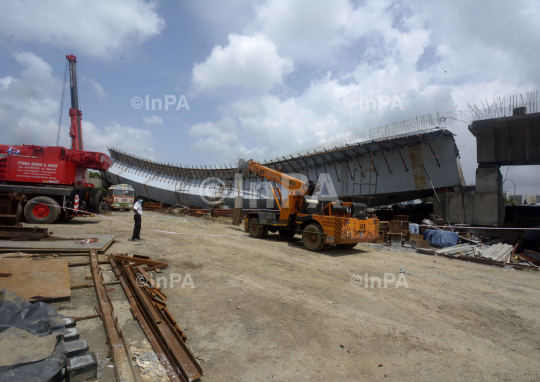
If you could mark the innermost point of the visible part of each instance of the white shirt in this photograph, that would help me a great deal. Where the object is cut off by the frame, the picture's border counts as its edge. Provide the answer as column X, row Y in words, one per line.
column 138, row 207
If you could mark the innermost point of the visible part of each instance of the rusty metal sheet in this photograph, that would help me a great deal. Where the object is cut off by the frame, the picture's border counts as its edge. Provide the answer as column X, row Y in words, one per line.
column 36, row 280
column 23, row 233
column 60, row 243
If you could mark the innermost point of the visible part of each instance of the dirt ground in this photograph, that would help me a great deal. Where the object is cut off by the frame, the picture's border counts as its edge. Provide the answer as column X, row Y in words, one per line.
column 268, row 310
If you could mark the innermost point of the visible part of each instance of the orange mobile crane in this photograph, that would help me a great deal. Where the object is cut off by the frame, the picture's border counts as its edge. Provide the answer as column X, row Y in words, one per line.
column 321, row 223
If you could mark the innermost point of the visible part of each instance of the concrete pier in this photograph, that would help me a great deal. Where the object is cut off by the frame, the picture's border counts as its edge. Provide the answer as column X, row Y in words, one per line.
column 509, row 141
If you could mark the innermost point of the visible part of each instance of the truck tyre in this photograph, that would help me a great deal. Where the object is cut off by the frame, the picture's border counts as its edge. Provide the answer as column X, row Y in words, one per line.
column 42, row 210
column 94, row 201
column 286, row 233
column 347, row 246
column 255, row 229
column 312, row 237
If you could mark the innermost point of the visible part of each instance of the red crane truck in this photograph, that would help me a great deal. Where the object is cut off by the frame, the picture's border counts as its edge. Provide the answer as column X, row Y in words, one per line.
column 53, row 178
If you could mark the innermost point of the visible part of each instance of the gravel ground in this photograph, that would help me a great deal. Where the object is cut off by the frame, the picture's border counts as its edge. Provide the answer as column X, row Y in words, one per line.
column 268, row 310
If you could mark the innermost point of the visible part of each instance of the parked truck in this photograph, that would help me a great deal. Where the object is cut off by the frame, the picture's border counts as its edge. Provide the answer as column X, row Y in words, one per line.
column 53, row 178
column 120, row 196
column 322, row 223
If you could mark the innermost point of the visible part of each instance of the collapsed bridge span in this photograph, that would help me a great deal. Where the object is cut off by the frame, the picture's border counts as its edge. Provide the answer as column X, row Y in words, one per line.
column 387, row 165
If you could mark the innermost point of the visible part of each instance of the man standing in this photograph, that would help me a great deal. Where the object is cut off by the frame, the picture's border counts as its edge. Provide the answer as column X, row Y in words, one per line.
column 137, row 209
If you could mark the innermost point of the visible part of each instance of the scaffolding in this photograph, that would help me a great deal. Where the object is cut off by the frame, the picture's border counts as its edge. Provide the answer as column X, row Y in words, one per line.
column 368, row 173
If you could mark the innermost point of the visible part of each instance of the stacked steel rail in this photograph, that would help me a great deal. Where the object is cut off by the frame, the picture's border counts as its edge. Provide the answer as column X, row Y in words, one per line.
column 148, row 305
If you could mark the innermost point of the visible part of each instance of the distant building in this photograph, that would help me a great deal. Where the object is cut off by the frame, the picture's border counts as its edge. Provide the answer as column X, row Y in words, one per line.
column 529, row 200
column 517, row 198
column 506, row 194
column 538, row 199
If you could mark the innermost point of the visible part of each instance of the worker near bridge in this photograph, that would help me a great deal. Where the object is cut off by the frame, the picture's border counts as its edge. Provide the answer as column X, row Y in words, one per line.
column 137, row 216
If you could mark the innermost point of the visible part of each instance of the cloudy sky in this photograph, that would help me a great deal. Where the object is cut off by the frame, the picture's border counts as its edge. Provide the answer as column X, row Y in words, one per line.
column 257, row 79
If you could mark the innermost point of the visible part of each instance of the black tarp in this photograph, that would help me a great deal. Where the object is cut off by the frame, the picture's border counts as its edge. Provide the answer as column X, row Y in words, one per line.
column 39, row 319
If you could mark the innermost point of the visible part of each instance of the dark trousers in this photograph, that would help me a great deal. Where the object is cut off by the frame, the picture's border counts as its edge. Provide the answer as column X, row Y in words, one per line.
column 137, row 228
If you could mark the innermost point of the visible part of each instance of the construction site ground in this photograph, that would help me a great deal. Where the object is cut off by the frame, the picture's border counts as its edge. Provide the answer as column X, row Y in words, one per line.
column 269, row 310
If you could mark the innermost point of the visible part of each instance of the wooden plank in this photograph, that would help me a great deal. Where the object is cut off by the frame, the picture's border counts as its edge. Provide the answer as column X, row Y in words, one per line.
column 415, row 236
column 36, row 280
column 62, row 245
column 424, row 244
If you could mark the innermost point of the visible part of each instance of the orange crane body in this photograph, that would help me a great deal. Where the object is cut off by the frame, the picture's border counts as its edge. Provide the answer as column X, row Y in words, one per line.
column 342, row 224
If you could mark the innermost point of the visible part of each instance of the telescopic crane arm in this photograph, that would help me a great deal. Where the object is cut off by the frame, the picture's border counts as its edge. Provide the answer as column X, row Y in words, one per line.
column 75, row 131
column 293, row 185
column 297, row 189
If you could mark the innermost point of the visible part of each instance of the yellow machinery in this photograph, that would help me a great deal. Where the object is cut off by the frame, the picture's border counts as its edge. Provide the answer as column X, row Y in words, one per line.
column 321, row 224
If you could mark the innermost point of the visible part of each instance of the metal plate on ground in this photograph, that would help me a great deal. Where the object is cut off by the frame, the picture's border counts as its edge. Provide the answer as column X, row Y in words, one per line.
column 63, row 245
column 36, row 280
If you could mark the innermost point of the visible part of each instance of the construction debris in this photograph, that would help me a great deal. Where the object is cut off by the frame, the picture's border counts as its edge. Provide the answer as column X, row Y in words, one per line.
column 148, row 306
column 498, row 254
column 87, row 241
column 530, row 256
column 146, row 359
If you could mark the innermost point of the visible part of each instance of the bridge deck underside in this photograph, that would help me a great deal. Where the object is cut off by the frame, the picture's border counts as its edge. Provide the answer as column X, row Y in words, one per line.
column 404, row 168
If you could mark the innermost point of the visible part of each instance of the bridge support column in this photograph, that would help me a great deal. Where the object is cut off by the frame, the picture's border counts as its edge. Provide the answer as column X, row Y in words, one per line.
column 488, row 199
column 484, row 206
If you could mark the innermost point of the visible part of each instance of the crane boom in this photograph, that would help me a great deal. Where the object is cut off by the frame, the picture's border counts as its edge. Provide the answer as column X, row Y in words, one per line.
column 293, row 185
column 75, row 131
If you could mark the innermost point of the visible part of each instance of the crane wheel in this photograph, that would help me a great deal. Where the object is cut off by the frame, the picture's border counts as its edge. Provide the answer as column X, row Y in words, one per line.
column 256, row 230
column 312, row 237
column 286, row 233
column 94, row 201
column 42, row 210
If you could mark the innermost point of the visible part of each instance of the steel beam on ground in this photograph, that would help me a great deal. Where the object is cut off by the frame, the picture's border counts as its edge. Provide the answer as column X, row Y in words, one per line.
column 117, row 346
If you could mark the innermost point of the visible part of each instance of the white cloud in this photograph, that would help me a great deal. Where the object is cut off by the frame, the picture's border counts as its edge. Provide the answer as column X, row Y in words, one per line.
column 29, row 114
column 125, row 138
column 96, row 28
column 153, row 120
column 6, row 81
column 303, row 28
column 249, row 61
column 221, row 137
column 98, row 88
column 469, row 62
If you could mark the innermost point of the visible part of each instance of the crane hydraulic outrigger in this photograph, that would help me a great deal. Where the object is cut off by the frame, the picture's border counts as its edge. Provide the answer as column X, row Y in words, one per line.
column 321, row 223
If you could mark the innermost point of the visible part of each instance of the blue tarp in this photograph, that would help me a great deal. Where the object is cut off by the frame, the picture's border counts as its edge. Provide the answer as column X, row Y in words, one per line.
column 441, row 239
